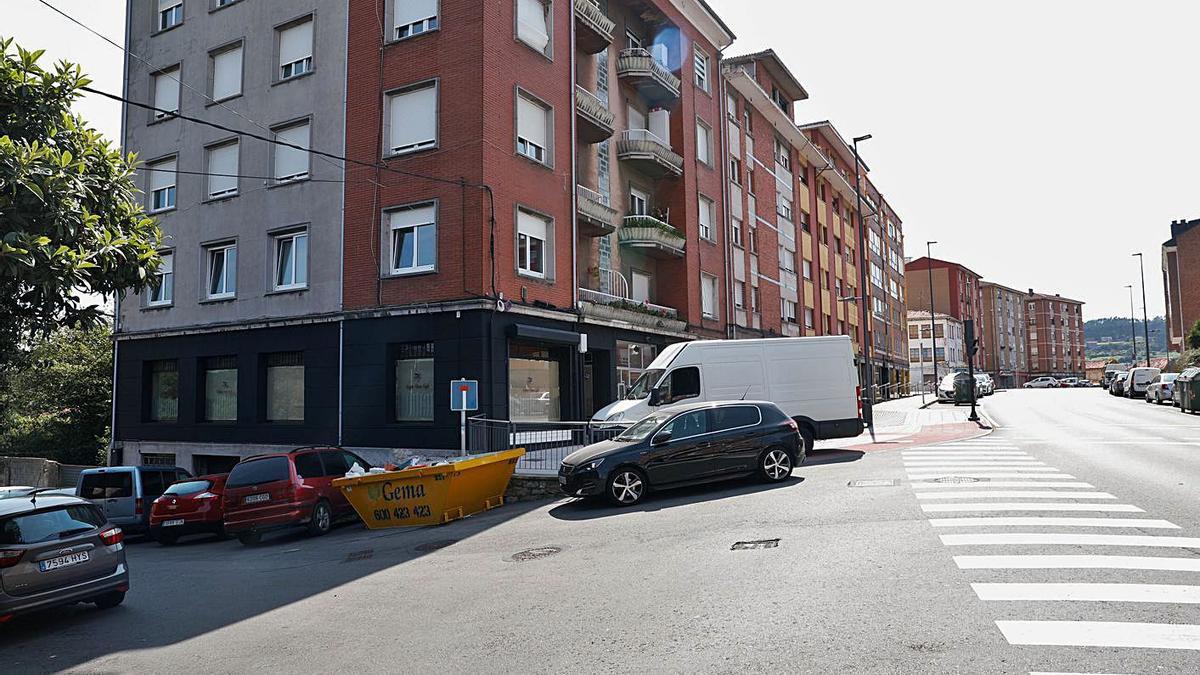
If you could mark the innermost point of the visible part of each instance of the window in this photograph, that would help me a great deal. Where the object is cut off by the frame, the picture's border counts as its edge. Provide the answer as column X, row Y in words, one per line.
column 337, row 463
column 226, row 67
column 821, row 191
column 533, row 128
column 708, row 296
column 734, row 417
column 808, row 318
column 639, row 202
column 222, row 271
column 787, row 309
column 682, row 383
column 739, row 294
column 164, row 391
column 533, row 24
column 735, row 231
column 735, row 170
column 220, row 388
column 704, row 143
column 164, row 292
column 731, row 107
column 285, row 387
column 783, row 206
column 914, row 354
column 787, row 260
column 700, row 66
column 779, row 99
column 807, row 268
column 534, row 384
column 412, row 119
column 532, row 237
column 224, row 3
column 166, row 92
column 783, row 155
column 222, row 170
column 753, row 298
column 752, row 239
column 687, row 425
column 291, row 163
column 291, row 260
column 162, row 185
column 295, row 49
column 413, row 372
column 413, row 17
column 308, row 465
column 804, row 222
column 706, row 218
column 802, row 174
column 877, row 275
column 170, row 13
column 873, row 241
column 413, row 239
column 632, row 41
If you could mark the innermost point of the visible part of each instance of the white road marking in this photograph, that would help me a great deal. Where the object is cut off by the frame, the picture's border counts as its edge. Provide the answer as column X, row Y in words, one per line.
column 918, row 461
column 1042, row 672
column 984, row 474
column 1068, row 539
column 1009, row 484
column 1053, row 521
column 984, row 468
column 967, row 453
column 1180, row 594
column 977, row 463
column 1064, row 562
column 1011, row 494
column 1030, row 506
column 1101, row 634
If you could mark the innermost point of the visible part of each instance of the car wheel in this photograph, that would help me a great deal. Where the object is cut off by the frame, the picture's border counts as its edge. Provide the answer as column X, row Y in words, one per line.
column 249, row 538
column 322, row 519
column 110, row 600
column 626, row 487
column 775, row 465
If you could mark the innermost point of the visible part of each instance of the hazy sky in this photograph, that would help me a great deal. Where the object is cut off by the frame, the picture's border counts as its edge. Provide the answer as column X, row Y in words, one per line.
column 1041, row 143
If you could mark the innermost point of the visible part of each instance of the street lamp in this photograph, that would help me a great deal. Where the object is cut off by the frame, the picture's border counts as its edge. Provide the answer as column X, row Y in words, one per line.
column 932, row 327
column 1145, row 319
column 1132, row 329
column 862, row 276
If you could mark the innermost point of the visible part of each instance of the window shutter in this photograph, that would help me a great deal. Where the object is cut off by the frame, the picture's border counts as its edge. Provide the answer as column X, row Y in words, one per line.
column 168, row 264
column 223, row 159
column 163, row 175
column 413, row 118
column 531, row 225
column 406, row 12
column 703, row 144
column 289, row 161
column 295, row 43
column 531, row 23
column 531, row 121
column 422, row 215
column 167, row 4
column 166, row 90
column 227, row 73
column 706, row 212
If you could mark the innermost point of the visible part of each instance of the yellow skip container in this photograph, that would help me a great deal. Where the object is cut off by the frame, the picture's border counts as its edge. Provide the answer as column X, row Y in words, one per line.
column 431, row 495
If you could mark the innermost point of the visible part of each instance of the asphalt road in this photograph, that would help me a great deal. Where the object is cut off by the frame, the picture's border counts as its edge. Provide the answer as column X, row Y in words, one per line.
column 863, row 579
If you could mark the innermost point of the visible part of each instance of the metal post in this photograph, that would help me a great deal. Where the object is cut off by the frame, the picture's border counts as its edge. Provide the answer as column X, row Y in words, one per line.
column 864, row 258
column 1145, row 318
column 462, row 429
column 932, row 325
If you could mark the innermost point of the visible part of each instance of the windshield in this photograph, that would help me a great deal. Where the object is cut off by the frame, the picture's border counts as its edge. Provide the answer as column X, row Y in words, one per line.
column 641, row 388
column 644, row 427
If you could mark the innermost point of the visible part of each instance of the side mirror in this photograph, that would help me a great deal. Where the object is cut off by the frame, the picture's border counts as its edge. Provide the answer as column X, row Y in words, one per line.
column 656, row 397
column 661, row 438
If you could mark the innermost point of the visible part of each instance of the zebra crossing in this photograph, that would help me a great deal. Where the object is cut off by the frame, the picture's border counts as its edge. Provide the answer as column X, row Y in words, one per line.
column 1037, row 541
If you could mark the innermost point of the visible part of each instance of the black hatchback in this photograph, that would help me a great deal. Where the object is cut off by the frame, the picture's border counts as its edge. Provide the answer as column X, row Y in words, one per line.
column 686, row 445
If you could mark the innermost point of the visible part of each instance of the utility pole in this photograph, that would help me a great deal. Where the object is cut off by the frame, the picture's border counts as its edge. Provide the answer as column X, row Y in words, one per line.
column 1145, row 319
column 864, row 260
column 1132, row 328
column 932, row 324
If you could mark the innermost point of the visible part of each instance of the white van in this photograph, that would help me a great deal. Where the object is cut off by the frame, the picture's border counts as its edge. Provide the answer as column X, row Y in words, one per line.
column 1137, row 381
column 812, row 379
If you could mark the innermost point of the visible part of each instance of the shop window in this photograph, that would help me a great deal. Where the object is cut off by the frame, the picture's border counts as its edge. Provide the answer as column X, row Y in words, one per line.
column 412, row 365
column 164, row 391
column 285, row 387
column 220, row 389
column 533, row 385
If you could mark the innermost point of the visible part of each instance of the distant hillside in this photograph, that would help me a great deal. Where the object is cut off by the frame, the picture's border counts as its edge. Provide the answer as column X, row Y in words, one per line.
column 1110, row 337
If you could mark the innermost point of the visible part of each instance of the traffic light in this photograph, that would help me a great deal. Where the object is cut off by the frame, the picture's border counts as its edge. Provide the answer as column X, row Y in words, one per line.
column 972, row 339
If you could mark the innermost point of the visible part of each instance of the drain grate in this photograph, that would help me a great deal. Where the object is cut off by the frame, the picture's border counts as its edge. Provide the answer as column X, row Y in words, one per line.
column 874, row 482
column 536, row 553
column 960, row 479
column 365, row 554
column 430, row 546
column 752, row 545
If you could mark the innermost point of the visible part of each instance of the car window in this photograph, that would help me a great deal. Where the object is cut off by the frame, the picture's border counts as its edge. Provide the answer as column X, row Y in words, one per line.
column 734, row 416
column 352, row 459
column 688, row 424
column 335, row 463
column 682, row 384
column 108, row 485
column 153, row 483
column 308, row 465
column 39, row 526
column 259, row 471
column 190, row 487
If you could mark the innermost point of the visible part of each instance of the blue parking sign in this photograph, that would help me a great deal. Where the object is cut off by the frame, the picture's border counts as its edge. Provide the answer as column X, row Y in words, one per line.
column 464, row 395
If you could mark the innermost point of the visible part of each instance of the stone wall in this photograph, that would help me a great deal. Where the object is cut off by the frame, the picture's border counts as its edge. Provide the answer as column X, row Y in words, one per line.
column 31, row 471
column 532, row 488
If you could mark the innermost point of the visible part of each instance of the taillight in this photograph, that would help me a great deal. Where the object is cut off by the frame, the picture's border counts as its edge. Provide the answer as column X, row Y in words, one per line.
column 10, row 558
column 137, row 505
column 792, row 423
column 112, row 536
column 858, row 395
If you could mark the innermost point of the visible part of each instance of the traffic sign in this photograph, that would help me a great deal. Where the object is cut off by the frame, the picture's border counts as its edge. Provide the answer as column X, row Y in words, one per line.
column 464, row 395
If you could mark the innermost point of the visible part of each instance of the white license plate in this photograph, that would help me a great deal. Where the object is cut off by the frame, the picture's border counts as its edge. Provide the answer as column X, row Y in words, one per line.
column 173, row 523
column 254, row 499
column 64, row 561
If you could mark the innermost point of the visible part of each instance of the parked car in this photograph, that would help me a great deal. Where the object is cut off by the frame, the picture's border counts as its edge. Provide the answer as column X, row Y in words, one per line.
column 956, row 388
column 1083, row 382
column 15, row 491
column 124, row 493
column 686, row 445
column 986, row 386
column 1110, row 371
column 1043, row 382
column 287, row 490
column 1117, row 386
column 1138, row 379
column 1162, row 389
column 192, row 506
column 1068, row 382
column 58, row 550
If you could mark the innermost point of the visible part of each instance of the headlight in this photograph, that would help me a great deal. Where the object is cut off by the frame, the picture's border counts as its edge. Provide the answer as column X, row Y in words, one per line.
column 615, row 417
column 590, row 466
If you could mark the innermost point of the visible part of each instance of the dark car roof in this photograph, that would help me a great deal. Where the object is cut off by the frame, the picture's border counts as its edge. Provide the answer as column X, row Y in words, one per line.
column 713, row 404
column 24, row 504
column 290, row 453
column 143, row 467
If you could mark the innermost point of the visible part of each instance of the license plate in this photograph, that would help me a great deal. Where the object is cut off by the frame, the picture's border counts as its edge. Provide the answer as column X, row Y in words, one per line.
column 172, row 523
column 254, row 499
column 64, row 561
column 562, row 480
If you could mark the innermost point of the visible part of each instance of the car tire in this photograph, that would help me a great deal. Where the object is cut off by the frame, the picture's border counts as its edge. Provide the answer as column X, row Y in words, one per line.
column 775, row 465
column 322, row 519
column 249, row 538
column 110, row 600
column 626, row 486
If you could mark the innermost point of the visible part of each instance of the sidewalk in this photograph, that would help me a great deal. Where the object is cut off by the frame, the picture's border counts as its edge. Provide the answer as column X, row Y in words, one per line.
column 903, row 422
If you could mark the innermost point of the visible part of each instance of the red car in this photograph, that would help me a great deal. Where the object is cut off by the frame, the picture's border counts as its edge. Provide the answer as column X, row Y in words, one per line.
column 286, row 490
column 191, row 506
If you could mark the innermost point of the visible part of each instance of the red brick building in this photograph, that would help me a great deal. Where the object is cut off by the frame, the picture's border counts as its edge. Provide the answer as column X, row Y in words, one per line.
column 956, row 291
column 1054, row 334
column 1181, row 280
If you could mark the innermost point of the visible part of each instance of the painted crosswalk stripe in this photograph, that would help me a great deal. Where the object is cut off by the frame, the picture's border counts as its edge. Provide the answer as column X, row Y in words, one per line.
column 921, row 485
column 1030, row 506
column 1009, row 494
column 1101, row 634
column 985, row 468
column 985, row 474
column 979, row 463
column 917, row 461
column 1067, row 539
column 1053, row 521
column 964, row 453
column 1064, row 562
column 1084, row 592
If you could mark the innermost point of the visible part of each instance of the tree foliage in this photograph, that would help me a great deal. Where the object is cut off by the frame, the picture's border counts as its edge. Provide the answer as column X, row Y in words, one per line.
column 71, row 225
column 1192, row 340
column 55, row 398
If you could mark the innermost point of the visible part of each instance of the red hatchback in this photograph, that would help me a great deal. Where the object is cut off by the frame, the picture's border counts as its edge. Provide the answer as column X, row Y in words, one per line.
column 291, row 489
column 190, row 506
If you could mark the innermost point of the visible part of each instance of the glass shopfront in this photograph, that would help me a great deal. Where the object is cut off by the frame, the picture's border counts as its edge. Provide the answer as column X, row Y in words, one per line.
column 533, row 384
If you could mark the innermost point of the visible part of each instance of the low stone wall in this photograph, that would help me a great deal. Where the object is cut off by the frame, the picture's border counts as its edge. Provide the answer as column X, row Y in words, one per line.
column 532, row 488
column 31, row 471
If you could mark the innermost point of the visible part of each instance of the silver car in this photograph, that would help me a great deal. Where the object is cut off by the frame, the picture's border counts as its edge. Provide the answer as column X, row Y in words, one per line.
column 58, row 550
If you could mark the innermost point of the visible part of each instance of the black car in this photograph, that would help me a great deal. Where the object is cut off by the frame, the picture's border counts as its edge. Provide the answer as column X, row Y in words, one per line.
column 686, row 445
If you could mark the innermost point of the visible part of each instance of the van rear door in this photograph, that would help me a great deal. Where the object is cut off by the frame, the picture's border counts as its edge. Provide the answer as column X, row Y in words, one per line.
column 112, row 490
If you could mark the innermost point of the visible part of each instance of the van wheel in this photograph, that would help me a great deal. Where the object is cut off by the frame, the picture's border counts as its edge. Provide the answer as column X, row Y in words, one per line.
column 775, row 465
column 806, row 435
column 249, row 538
column 322, row 519
column 110, row 600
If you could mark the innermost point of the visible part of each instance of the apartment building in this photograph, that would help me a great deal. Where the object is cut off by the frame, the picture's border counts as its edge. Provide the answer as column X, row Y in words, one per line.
column 885, row 248
column 1181, row 280
column 955, row 291
column 1055, row 335
column 935, row 348
column 1002, row 339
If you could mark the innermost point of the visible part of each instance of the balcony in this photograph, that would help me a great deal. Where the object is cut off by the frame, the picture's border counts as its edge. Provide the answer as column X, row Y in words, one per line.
column 648, row 75
column 593, row 30
column 595, row 119
column 616, row 303
column 648, row 153
column 649, row 235
column 596, row 217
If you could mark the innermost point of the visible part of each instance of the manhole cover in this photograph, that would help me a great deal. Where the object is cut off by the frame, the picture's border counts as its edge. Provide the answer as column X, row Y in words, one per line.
column 959, row 479
column 365, row 554
column 873, row 482
column 431, row 546
column 535, row 553
column 750, row 545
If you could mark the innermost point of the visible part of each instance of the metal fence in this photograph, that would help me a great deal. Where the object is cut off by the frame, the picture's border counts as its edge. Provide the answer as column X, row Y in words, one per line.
column 545, row 443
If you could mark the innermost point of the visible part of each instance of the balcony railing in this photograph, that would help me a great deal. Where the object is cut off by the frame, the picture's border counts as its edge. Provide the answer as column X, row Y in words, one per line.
column 649, row 153
column 652, row 237
column 594, row 30
column 596, row 217
column 595, row 119
column 616, row 304
column 649, row 75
